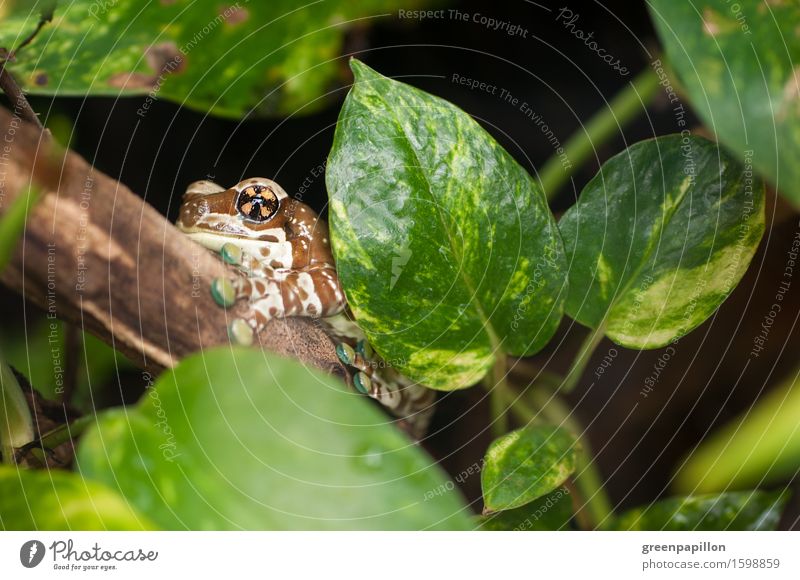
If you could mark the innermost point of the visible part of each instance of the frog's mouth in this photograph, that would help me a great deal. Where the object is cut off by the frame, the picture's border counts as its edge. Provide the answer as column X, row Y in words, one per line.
column 215, row 239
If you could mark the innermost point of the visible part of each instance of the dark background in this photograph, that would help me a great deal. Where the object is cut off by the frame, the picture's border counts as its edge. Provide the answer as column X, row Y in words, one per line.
column 638, row 441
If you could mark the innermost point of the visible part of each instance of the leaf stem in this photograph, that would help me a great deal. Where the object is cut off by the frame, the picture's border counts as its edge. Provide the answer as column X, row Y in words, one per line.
column 597, row 506
column 498, row 388
column 628, row 104
column 16, row 424
column 583, row 357
column 64, row 433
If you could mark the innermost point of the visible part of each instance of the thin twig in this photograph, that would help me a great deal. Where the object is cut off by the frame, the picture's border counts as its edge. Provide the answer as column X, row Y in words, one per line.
column 45, row 18
column 9, row 84
column 21, row 105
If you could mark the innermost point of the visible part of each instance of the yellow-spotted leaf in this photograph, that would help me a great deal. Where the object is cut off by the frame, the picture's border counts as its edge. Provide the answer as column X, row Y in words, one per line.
column 230, row 58
column 739, row 64
column 659, row 238
column 525, row 465
column 444, row 244
column 548, row 513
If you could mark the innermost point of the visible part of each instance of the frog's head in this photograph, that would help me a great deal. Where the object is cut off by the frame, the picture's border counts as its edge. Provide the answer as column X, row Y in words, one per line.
column 253, row 209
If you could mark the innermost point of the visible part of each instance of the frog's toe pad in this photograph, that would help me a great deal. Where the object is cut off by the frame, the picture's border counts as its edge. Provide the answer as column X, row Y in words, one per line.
column 223, row 292
column 231, row 254
column 345, row 353
column 240, row 332
column 362, row 382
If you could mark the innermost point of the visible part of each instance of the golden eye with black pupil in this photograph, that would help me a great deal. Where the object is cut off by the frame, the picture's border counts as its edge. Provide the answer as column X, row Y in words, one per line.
column 257, row 203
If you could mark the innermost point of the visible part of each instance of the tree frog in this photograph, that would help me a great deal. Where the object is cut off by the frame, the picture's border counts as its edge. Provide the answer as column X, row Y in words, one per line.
column 283, row 248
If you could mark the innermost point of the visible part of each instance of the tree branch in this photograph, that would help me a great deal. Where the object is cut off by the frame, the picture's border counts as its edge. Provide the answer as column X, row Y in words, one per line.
column 95, row 254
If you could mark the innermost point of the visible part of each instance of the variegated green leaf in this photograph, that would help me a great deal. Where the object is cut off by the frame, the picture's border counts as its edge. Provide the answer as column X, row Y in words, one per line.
column 445, row 246
column 550, row 512
column 740, row 64
column 736, row 511
column 526, row 464
column 659, row 238
column 226, row 57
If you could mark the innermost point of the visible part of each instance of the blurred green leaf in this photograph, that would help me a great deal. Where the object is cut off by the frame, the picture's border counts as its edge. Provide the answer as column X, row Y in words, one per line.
column 741, row 511
column 63, row 501
column 12, row 223
column 445, row 246
column 659, row 238
column 40, row 354
column 16, row 424
column 227, row 58
column 551, row 512
column 236, row 438
column 738, row 61
column 761, row 446
column 526, row 464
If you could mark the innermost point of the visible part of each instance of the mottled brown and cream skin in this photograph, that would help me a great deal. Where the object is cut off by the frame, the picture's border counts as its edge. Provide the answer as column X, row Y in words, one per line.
column 288, row 255
column 285, row 250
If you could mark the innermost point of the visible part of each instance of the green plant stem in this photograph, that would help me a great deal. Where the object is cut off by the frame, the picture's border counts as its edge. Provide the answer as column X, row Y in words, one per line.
column 628, row 104
column 597, row 507
column 587, row 479
column 65, row 432
column 497, row 388
column 16, row 424
column 583, row 357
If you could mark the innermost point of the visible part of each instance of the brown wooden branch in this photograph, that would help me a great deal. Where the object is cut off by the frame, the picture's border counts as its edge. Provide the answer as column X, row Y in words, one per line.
column 95, row 254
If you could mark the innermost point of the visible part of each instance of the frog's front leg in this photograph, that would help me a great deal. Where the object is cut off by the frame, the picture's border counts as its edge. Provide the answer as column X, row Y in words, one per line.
column 313, row 293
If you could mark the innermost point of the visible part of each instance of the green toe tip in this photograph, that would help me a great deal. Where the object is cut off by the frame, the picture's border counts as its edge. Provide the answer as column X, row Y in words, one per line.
column 345, row 353
column 222, row 292
column 240, row 332
column 362, row 383
column 364, row 348
column 231, row 254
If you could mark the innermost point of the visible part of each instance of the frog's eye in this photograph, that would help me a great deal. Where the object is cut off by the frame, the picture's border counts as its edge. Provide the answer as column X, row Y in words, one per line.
column 257, row 203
